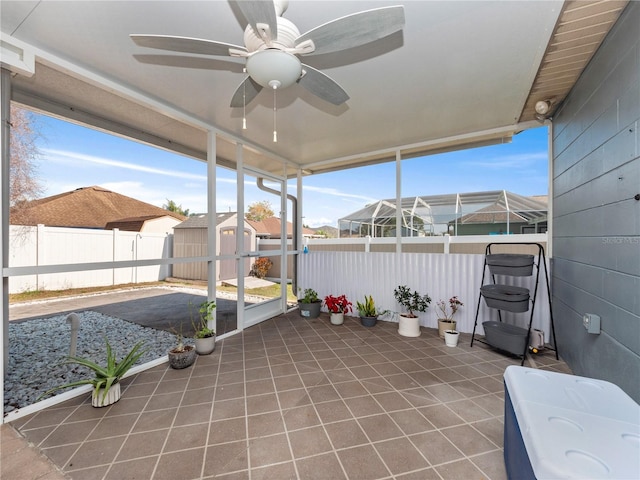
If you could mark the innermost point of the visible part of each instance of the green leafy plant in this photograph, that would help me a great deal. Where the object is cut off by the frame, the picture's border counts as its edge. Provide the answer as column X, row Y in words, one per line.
column 310, row 296
column 368, row 308
column 206, row 309
column 411, row 300
column 105, row 376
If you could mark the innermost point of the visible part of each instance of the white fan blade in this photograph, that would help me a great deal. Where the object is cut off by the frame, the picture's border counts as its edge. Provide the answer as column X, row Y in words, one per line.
column 322, row 86
column 246, row 92
column 355, row 30
column 188, row 45
column 261, row 15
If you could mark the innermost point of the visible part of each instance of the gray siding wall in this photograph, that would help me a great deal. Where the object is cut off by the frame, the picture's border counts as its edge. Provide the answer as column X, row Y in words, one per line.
column 596, row 220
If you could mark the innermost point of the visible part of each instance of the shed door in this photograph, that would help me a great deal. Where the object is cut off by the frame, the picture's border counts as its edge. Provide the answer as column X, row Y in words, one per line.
column 227, row 247
column 228, row 268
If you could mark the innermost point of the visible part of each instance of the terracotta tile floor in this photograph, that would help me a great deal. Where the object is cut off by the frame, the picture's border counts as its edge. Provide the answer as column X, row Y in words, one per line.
column 293, row 398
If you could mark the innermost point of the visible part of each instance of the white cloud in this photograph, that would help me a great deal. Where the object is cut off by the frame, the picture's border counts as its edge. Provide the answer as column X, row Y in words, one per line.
column 335, row 192
column 66, row 157
column 516, row 161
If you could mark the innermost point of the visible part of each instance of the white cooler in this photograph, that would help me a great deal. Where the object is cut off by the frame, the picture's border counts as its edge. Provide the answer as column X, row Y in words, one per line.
column 559, row 426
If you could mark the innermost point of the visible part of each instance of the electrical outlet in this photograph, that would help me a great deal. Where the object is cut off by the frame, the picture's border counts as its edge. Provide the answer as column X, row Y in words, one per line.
column 591, row 322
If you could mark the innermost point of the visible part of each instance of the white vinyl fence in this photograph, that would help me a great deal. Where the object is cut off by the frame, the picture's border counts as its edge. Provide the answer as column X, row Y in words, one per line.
column 441, row 276
column 37, row 246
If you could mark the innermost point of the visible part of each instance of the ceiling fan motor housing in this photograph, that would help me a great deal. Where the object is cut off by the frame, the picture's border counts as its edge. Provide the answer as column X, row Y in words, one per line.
column 287, row 34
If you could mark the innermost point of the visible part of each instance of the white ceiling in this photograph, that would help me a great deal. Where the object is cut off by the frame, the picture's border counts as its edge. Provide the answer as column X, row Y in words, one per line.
column 460, row 73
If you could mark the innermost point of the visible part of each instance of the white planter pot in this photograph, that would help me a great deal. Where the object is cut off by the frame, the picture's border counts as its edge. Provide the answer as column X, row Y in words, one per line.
column 204, row 346
column 451, row 338
column 100, row 400
column 409, row 327
column 337, row 318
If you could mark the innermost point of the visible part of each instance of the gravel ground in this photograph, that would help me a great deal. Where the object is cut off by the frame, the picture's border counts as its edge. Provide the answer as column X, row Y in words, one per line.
column 38, row 347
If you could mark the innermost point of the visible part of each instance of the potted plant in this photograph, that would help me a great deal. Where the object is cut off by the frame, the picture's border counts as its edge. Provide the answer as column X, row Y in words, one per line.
column 309, row 304
column 260, row 267
column 106, row 380
column 445, row 319
column 412, row 301
column 181, row 356
column 337, row 307
column 205, row 336
column 368, row 311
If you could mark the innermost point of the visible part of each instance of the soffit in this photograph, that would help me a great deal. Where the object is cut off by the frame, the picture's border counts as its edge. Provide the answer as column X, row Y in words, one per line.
column 580, row 30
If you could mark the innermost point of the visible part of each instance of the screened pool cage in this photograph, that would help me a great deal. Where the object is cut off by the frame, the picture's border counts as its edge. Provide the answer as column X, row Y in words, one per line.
column 496, row 212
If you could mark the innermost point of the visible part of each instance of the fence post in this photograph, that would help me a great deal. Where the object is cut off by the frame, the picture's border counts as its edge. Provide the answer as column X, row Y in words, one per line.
column 114, row 254
column 367, row 244
column 40, row 243
column 447, row 242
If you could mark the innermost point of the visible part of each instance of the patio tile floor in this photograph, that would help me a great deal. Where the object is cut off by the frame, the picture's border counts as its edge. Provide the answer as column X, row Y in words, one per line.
column 296, row 398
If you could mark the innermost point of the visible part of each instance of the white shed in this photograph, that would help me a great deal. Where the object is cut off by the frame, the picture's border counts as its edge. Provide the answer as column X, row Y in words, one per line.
column 190, row 240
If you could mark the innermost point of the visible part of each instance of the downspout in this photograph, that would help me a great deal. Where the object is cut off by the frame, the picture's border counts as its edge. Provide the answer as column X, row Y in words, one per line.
column 294, row 231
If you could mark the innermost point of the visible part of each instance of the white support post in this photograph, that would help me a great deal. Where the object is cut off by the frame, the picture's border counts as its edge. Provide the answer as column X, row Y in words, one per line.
column 212, row 224
column 298, row 218
column 284, row 245
column 298, row 221
column 550, row 196
column 5, row 135
column 398, row 202
column 240, row 233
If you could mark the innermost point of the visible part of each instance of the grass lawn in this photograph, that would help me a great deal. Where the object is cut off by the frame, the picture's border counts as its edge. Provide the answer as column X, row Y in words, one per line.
column 30, row 296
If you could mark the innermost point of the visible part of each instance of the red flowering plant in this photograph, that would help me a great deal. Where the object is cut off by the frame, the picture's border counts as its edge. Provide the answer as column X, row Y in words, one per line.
column 454, row 304
column 337, row 304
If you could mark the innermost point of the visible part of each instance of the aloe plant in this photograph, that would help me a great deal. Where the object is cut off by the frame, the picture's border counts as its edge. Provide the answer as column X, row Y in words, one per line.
column 368, row 308
column 105, row 376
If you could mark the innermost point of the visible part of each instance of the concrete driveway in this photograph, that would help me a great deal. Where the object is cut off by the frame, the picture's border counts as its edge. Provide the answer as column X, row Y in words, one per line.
column 164, row 308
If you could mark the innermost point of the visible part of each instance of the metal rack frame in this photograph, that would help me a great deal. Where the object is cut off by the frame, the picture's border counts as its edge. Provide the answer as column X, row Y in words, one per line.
column 541, row 260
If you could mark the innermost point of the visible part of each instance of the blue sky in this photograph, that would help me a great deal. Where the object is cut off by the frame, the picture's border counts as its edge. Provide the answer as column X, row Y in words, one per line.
column 74, row 156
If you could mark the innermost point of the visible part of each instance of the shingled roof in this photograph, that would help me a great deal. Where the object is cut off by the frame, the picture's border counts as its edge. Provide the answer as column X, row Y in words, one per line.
column 270, row 227
column 86, row 207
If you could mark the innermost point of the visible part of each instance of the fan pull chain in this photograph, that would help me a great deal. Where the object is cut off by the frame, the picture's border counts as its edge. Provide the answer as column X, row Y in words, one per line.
column 275, row 132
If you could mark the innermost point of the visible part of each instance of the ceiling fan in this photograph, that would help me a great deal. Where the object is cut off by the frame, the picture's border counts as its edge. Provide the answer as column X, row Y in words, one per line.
column 273, row 45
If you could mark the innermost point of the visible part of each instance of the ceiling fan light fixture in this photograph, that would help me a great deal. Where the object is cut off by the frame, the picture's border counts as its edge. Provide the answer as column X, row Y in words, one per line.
column 272, row 65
